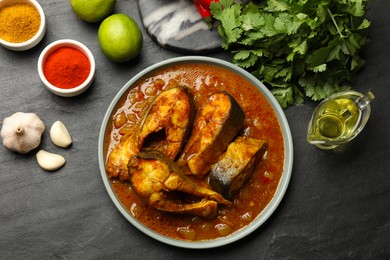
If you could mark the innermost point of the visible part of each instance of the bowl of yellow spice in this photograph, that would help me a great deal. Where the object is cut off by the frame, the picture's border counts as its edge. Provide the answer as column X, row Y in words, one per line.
column 22, row 24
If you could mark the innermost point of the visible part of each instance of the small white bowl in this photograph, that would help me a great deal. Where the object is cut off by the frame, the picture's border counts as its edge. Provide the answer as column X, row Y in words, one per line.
column 22, row 46
column 62, row 91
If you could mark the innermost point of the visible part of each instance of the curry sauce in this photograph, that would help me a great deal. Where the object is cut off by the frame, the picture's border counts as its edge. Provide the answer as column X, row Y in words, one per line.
column 261, row 122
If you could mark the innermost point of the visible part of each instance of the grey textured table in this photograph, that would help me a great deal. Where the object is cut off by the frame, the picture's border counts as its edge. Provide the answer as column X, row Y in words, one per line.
column 337, row 205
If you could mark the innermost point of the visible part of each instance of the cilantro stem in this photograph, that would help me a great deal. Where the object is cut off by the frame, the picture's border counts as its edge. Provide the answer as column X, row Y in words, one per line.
column 335, row 24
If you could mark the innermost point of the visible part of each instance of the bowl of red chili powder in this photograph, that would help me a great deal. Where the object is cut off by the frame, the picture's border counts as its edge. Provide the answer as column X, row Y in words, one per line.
column 22, row 24
column 66, row 67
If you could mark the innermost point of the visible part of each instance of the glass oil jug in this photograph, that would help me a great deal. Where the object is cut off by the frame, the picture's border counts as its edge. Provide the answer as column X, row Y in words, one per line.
column 339, row 118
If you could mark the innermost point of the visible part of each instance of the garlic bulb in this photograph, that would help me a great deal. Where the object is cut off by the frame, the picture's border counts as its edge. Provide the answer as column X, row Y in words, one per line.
column 49, row 161
column 22, row 132
column 59, row 135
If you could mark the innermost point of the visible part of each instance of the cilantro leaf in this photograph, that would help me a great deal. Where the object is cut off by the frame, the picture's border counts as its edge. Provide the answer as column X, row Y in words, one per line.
column 302, row 48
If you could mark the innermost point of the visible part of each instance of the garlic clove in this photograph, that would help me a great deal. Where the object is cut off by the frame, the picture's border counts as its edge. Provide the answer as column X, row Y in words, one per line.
column 59, row 135
column 49, row 161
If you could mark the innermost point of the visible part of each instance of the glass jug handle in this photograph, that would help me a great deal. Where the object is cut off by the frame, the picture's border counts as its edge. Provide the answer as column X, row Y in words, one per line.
column 364, row 100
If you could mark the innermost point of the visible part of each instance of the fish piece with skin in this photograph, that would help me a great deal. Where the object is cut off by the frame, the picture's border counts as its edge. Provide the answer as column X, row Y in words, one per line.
column 236, row 166
column 153, row 176
column 116, row 165
column 171, row 111
column 216, row 125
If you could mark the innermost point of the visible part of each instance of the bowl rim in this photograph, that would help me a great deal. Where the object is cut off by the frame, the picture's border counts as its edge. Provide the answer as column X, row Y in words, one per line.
column 66, row 43
column 283, row 183
column 32, row 42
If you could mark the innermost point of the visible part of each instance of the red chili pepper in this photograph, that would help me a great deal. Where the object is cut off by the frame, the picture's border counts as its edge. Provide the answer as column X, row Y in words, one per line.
column 203, row 7
column 205, row 2
column 205, row 13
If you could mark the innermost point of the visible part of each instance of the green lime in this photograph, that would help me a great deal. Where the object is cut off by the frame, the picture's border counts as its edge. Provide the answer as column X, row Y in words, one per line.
column 120, row 37
column 92, row 10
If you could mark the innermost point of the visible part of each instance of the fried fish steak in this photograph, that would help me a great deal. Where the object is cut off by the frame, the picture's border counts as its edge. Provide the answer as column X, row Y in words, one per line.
column 173, row 113
column 155, row 178
column 235, row 168
column 167, row 121
column 216, row 125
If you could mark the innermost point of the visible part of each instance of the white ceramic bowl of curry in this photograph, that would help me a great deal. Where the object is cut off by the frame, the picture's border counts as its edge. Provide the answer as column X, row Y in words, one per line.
column 29, row 19
column 265, row 119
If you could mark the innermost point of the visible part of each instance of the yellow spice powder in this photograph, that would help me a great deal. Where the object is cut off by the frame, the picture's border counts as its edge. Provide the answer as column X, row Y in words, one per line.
column 19, row 22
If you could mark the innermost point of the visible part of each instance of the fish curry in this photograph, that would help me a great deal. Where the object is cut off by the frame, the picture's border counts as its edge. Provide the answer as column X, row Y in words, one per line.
column 194, row 152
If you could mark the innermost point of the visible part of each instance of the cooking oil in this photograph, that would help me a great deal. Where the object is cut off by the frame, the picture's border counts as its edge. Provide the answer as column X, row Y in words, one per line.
column 339, row 118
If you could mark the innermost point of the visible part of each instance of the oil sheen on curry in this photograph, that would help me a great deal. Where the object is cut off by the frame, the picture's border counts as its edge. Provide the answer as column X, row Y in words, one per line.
column 194, row 152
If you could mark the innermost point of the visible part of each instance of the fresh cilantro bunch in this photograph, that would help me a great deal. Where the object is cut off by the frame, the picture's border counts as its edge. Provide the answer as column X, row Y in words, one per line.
column 297, row 48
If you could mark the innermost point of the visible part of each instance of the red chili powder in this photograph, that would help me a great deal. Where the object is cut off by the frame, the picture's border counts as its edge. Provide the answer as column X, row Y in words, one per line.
column 66, row 67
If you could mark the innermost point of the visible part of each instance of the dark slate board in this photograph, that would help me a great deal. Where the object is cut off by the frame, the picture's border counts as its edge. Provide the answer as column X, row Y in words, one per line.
column 177, row 25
